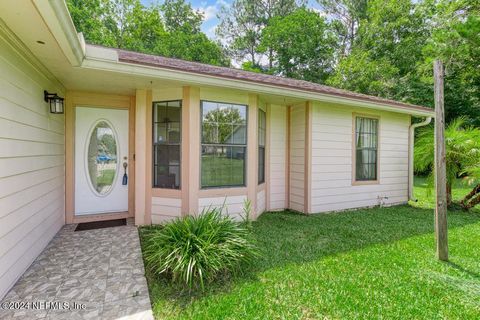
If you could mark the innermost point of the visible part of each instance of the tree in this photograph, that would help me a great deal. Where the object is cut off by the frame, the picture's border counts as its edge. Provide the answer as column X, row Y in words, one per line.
column 348, row 14
column 456, row 41
column 180, row 16
column 462, row 144
column 360, row 72
column 472, row 199
column 385, row 53
column 242, row 22
column 395, row 43
column 184, row 39
column 240, row 27
column 87, row 15
column 133, row 26
column 192, row 47
column 303, row 43
column 127, row 24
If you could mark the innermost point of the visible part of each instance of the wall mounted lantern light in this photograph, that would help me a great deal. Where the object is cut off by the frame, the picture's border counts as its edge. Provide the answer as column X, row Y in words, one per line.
column 55, row 102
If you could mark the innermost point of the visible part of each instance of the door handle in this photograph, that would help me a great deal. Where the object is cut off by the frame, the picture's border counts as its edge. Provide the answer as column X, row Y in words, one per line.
column 125, row 176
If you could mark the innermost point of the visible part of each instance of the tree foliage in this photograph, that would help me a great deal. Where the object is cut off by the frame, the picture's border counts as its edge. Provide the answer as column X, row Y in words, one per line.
column 385, row 53
column 303, row 43
column 347, row 14
column 456, row 40
column 462, row 143
column 378, row 47
column 396, row 43
column 242, row 22
column 171, row 29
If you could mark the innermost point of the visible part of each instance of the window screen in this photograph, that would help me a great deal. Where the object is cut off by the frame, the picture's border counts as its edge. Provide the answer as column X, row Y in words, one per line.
column 262, row 132
column 224, row 144
column 167, row 120
column 366, row 142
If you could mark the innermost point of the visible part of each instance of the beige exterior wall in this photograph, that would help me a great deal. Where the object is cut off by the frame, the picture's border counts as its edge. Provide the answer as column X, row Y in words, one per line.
column 141, row 141
column 165, row 209
column 297, row 158
column 232, row 205
column 309, row 159
column 32, row 163
column 261, row 202
column 332, row 159
column 277, row 157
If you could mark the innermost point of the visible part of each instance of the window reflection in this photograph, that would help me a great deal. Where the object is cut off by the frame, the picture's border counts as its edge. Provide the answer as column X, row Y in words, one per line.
column 224, row 141
column 102, row 158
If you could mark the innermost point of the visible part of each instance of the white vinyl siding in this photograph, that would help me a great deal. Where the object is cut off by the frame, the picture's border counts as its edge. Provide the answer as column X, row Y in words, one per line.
column 165, row 209
column 277, row 156
column 261, row 202
column 32, row 180
column 231, row 205
column 297, row 157
column 332, row 143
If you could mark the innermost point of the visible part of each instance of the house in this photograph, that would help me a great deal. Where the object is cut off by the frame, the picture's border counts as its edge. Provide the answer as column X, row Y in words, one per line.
column 156, row 138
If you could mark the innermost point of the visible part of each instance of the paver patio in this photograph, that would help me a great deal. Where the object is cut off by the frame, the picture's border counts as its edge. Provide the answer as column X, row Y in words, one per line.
column 101, row 269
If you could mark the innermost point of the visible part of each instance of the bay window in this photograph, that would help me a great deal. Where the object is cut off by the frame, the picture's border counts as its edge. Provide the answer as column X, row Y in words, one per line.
column 167, row 122
column 224, row 144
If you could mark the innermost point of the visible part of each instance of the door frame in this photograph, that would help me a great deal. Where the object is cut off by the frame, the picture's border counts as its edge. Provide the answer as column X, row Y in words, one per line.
column 74, row 99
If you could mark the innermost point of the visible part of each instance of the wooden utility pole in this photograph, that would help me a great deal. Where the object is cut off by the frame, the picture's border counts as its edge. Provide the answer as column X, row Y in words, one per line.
column 440, row 166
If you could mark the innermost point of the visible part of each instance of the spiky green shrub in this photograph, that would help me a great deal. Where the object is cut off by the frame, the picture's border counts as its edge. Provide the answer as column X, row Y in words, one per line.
column 194, row 250
column 462, row 143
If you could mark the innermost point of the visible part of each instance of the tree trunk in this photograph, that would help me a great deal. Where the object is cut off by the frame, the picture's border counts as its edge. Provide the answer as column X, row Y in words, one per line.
column 449, row 194
column 471, row 199
column 472, row 193
column 473, row 202
column 270, row 58
column 443, row 188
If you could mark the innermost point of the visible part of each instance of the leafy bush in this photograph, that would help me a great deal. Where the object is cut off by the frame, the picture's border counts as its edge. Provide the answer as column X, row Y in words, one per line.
column 196, row 249
column 462, row 143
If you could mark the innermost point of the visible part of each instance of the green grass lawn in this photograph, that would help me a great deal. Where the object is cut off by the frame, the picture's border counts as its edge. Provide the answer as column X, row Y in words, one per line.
column 365, row 264
column 426, row 196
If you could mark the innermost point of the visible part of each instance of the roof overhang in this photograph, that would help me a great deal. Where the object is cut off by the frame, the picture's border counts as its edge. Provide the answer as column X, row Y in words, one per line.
column 56, row 16
column 100, row 58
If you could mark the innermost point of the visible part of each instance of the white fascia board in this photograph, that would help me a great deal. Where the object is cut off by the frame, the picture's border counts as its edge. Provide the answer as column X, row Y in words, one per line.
column 22, row 50
column 201, row 79
column 57, row 18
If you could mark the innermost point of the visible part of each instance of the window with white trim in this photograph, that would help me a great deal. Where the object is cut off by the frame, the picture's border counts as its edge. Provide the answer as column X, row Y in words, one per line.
column 224, row 144
column 167, row 120
column 366, row 149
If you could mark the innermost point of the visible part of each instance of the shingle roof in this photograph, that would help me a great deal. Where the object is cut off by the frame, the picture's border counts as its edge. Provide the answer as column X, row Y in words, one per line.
column 242, row 75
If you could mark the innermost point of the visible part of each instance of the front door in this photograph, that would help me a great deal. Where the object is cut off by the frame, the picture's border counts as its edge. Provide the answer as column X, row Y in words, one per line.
column 101, row 160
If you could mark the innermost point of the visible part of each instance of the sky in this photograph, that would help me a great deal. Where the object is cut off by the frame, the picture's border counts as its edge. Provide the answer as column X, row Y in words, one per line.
column 210, row 8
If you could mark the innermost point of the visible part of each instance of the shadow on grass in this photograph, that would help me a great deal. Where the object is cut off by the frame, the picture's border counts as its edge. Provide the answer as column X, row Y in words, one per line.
column 462, row 269
column 286, row 238
column 290, row 238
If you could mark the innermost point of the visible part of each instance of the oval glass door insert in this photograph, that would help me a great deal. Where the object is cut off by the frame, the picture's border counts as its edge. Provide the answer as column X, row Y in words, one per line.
column 102, row 158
